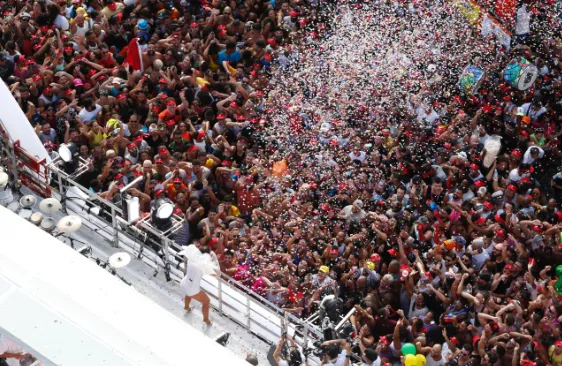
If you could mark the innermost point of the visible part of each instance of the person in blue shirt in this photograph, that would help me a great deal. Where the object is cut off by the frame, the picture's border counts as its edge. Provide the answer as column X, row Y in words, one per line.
column 230, row 54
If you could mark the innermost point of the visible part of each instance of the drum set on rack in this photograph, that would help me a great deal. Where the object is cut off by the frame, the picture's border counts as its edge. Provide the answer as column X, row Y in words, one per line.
column 25, row 209
column 63, row 229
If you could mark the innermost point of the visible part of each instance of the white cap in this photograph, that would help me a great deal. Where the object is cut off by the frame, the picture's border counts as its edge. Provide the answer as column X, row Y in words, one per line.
column 358, row 203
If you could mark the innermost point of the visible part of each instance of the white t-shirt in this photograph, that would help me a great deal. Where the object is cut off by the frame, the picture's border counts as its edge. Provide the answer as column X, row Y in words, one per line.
column 479, row 259
column 87, row 116
column 527, row 159
column 533, row 114
column 515, row 177
column 9, row 346
column 429, row 361
column 61, row 23
column 361, row 157
column 376, row 363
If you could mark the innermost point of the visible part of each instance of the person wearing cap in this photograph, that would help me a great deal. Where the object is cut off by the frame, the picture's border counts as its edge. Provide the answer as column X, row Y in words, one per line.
column 172, row 113
column 112, row 8
column 353, row 212
column 175, row 187
column 519, row 173
column 132, row 153
column 321, row 279
column 170, row 10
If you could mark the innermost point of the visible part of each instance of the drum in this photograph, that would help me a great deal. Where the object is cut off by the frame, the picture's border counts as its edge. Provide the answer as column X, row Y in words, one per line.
column 27, row 201
column 520, row 73
column 470, row 79
column 48, row 224
column 6, row 197
column 25, row 213
column 14, row 207
column 36, row 218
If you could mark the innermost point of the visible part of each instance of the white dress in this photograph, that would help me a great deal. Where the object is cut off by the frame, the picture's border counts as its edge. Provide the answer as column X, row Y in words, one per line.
column 198, row 265
column 191, row 283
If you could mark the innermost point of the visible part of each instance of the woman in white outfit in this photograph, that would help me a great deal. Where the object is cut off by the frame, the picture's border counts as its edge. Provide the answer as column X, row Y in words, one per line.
column 200, row 265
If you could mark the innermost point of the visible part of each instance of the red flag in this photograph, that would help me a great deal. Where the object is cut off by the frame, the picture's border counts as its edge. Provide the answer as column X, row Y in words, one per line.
column 134, row 57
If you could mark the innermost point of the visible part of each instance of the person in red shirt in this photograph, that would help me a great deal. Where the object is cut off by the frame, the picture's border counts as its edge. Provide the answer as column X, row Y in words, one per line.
column 106, row 59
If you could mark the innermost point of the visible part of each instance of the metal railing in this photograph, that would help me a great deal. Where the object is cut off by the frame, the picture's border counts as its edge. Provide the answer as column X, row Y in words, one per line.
column 229, row 297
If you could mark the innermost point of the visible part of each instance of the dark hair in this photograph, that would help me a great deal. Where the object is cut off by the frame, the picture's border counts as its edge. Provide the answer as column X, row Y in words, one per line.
column 332, row 350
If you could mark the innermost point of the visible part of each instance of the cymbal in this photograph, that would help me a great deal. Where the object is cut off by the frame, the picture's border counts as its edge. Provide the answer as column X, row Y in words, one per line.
column 119, row 260
column 69, row 224
column 3, row 178
column 27, row 201
column 50, row 205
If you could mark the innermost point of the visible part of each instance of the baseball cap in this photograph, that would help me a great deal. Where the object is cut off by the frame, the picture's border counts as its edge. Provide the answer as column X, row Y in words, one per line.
column 177, row 180
column 520, row 111
column 324, row 269
column 480, row 183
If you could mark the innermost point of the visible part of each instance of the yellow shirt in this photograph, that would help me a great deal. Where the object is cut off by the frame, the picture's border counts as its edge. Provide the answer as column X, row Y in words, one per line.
column 554, row 358
column 388, row 143
column 98, row 137
column 233, row 211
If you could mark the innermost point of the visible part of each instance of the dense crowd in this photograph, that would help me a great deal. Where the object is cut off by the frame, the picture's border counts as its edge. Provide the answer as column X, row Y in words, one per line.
column 325, row 148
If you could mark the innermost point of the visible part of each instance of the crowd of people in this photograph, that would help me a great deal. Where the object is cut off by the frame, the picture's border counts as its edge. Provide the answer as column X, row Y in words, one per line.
column 325, row 148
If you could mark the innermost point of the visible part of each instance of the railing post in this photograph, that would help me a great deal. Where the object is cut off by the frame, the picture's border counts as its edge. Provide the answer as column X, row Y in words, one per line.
column 285, row 322
column 220, row 295
column 114, row 224
column 304, row 336
column 59, row 180
column 248, row 322
column 14, row 164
